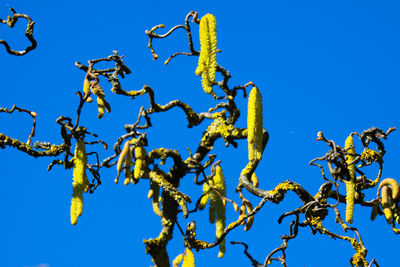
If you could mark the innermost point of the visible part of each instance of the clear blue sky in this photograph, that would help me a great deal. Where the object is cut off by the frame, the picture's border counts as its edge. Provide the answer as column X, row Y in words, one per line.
column 320, row 65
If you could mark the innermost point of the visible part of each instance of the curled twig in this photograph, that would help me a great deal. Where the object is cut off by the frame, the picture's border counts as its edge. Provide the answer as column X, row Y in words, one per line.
column 31, row 113
column 11, row 21
column 152, row 35
column 254, row 262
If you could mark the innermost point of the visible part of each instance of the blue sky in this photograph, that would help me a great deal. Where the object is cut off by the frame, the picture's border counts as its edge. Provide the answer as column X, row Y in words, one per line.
column 330, row 66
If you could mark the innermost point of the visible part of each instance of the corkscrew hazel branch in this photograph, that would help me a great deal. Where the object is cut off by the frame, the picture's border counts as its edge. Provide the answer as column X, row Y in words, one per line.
column 314, row 220
column 111, row 74
column 199, row 244
column 151, row 34
column 358, row 258
column 373, row 262
column 193, row 118
column 159, row 177
column 254, row 262
column 375, row 135
column 285, row 239
column 31, row 113
column 54, row 150
column 223, row 126
column 95, row 174
column 206, row 146
column 342, row 162
column 11, row 21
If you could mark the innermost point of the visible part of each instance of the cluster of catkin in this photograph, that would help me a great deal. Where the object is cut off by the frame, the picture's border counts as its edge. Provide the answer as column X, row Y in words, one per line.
column 245, row 209
column 389, row 195
column 95, row 88
column 388, row 190
column 207, row 65
column 125, row 162
column 214, row 190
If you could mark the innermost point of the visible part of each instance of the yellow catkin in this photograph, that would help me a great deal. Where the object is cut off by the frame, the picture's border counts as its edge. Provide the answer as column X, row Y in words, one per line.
column 242, row 213
column 140, row 162
column 132, row 173
column 127, row 168
column 206, row 195
column 156, row 206
column 121, row 159
column 86, row 87
column 216, row 202
column 394, row 186
column 219, row 229
column 86, row 90
column 386, row 203
column 178, row 259
column 100, row 107
column 80, row 181
column 188, row 259
column 235, row 206
column 207, row 65
column 250, row 220
column 102, row 104
column 254, row 124
column 350, row 185
column 150, row 193
column 254, row 179
column 156, row 198
column 76, row 203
